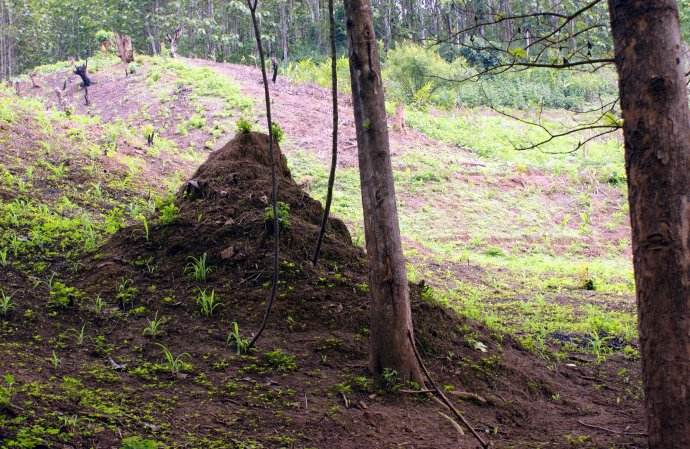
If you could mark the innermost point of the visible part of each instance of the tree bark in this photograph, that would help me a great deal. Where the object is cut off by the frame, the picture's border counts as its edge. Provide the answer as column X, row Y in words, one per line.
column 657, row 153
column 391, row 316
column 284, row 29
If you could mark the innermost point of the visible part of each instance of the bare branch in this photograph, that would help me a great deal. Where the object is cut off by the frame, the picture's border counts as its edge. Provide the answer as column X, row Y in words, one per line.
column 274, row 183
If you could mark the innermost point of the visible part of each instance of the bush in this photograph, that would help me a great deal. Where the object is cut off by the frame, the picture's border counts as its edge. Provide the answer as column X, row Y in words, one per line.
column 103, row 36
column 413, row 73
column 420, row 76
column 244, row 126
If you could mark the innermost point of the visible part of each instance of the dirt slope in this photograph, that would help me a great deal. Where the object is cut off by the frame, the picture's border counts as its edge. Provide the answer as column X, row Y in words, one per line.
column 306, row 386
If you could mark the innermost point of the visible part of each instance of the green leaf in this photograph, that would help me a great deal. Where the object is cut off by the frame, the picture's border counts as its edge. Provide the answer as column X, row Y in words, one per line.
column 518, row 52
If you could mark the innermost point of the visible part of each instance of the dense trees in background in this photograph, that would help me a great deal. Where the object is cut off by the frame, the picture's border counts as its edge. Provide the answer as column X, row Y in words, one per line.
column 34, row 32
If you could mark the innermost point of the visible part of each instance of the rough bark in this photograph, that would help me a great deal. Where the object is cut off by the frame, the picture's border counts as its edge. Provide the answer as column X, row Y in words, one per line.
column 391, row 317
column 657, row 152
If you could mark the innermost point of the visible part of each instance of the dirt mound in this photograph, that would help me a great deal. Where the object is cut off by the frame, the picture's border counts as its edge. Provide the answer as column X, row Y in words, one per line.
column 231, row 191
column 223, row 212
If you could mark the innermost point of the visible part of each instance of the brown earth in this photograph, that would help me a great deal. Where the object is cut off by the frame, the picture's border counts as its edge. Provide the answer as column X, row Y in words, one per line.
column 320, row 318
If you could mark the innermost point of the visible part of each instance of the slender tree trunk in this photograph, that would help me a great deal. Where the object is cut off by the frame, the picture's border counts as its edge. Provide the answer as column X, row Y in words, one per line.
column 284, row 29
column 388, row 28
column 391, row 317
column 657, row 152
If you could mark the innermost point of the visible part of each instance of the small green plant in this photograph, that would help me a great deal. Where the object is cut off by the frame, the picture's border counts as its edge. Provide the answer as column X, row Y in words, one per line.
column 277, row 131
column 168, row 213
column 61, row 296
column 363, row 384
column 599, row 346
column 7, row 390
column 154, row 327
column 135, row 442
column 99, row 304
column 207, row 302
column 145, row 223
column 173, row 364
column 280, row 361
column 196, row 121
column 244, row 126
column 6, row 303
column 149, row 133
column 81, row 334
column 4, row 257
column 55, row 360
column 391, row 380
column 132, row 68
column 125, row 292
column 283, row 216
column 235, row 339
column 198, row 268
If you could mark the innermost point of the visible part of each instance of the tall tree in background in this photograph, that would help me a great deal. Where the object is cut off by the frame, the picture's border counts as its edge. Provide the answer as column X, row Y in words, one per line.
column 391, row 316
column 7, row 41
column 654, row 101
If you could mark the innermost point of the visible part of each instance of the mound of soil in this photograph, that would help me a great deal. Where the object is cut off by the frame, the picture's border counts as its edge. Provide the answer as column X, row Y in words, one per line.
column 223, row 212
column 231, row 191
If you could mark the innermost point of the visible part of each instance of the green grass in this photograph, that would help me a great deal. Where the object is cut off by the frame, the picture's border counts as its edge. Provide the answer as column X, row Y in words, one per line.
column 204, row 81
column 494, row 138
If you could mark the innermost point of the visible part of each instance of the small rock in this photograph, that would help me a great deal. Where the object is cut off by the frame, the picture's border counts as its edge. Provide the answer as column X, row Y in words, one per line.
column 228, row 253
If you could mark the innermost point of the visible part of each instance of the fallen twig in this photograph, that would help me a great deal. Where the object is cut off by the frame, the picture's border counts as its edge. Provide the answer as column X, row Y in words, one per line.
column 615, row 432
column 442, row 396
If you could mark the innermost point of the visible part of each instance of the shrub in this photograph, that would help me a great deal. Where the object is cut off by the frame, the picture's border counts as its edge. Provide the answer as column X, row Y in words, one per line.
column 414, row 73
column 62, row 296
column 280, row 361
column 103, row 36
column 244, row 126
column 169, row 213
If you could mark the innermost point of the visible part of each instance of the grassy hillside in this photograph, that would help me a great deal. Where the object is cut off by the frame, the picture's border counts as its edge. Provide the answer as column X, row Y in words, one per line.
column 123, row 300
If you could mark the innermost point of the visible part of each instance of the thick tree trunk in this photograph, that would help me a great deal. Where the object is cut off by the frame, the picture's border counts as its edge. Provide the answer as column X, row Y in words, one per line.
column 391, row 317
column 657, row 152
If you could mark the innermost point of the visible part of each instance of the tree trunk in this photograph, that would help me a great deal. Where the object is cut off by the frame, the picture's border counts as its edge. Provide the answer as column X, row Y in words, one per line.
column 657, row 153
column 391, row 317
column 284, row 30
